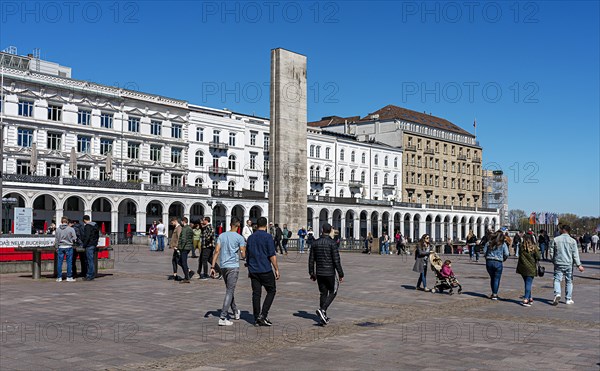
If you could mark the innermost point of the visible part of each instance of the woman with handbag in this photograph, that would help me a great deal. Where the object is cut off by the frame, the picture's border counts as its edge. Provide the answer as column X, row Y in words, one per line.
column 495, row 252
column 527, row 267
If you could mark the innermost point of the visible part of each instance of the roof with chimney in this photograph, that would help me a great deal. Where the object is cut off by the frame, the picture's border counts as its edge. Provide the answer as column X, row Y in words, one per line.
column 391, row 112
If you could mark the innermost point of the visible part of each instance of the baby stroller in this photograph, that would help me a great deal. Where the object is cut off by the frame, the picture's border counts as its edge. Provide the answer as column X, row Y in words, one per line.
column 442, row 283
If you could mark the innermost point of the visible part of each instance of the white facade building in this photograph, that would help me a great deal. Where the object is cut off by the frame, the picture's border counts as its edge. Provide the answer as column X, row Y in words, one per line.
column 127, row 158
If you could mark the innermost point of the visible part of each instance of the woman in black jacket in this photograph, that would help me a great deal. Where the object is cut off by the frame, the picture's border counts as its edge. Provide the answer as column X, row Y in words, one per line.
column 422, row 261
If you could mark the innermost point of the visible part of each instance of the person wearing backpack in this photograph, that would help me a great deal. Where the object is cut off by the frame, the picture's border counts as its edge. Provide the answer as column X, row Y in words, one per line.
column 89, row 241
column 285, row 235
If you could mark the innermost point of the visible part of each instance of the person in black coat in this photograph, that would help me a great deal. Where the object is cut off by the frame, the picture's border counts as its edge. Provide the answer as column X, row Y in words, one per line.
column 81, row 254
column 89, row 240
column 323, row 263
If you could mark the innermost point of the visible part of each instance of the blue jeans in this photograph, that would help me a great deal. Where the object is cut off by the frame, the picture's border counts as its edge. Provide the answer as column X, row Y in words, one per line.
column 89, row 253
column 517, row 250
column 494, row 269
column 152, row 243
column 567, row 272
column 230, row 277
column 422, row 278
column 61, row 254
column 528, row 283
column 161, row 242
column 542, row 249
column 386, row 248
column 301, row 244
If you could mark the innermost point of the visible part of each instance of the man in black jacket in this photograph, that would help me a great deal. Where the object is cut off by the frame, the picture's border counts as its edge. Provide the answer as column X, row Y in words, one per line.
column 324, row 254
column 89, row 241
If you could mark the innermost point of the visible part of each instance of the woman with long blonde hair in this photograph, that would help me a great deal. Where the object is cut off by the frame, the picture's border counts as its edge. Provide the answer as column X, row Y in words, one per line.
column 529, row 257
column 495, row 252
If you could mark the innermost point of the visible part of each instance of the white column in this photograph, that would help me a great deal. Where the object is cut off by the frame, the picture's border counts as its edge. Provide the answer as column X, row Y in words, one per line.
column 140, row 221
column 226, row 227
column 356, row 228
column 451, row 230
column 402, row 225
column 58, row 214
column 411, row 226
column 114, row 221
column 343, row 227
column 379, row 227
column 442, row 231
column 368, row 224
column 422, row 227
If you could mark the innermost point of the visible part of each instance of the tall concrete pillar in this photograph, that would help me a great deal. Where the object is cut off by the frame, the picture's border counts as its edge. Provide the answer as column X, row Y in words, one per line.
column 287, row 164
column 356, row 228
column 114, row 221
column 140, row 221
column 451, row 230
column 442, row 231
column 402, row 225
column 411, row 229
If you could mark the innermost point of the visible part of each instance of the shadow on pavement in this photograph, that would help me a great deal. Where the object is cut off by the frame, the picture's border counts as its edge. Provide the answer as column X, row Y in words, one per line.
column 305, row 314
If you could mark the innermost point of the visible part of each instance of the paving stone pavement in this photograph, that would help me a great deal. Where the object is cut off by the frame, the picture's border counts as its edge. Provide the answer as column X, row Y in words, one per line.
column 134, row 318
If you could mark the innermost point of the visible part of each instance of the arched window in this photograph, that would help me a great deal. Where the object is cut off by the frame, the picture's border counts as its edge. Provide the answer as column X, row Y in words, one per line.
column 364, row 158
column 231, row 185
column 312, row 150
column 199, row 158
column 352, row 175
column 375, row 178
column 396, row 179
column 232, row 162
column 341, row 154
column 327, row 192
column 385, row 161
column 396, row 162
column 341, row 193
column 362, row 177
column 318, row 172
column 199, row 182
column 352, row 156
column 312, row 172
column 318, row 154
column 385, row 179
column 326, row 173
column 215, row 185
column 376, row 159
column 341, row 175
column 327, row 150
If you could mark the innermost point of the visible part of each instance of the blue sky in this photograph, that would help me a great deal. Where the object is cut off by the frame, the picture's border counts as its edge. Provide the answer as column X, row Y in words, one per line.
column 527, row 71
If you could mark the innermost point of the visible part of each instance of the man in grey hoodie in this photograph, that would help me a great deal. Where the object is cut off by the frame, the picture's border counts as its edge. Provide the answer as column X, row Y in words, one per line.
column 563, row 252
column 64, row 239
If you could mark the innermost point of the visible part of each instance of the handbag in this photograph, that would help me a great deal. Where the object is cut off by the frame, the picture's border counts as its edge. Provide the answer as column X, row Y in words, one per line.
column 540, row 270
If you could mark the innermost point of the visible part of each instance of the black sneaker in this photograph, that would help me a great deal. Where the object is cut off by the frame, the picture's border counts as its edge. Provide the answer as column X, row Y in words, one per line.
column 203, row 277
column 494, row 297
column 191, row 274
column 178, row 278
column 267, row 322
column 556, row 300
column 322, row 315
column 263, row 321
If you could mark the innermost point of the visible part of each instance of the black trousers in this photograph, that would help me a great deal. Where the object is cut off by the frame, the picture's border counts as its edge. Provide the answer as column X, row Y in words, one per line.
column 260, row 280
column 328, row 289
column 205, row 259
column 180, row 258
column 82, row 260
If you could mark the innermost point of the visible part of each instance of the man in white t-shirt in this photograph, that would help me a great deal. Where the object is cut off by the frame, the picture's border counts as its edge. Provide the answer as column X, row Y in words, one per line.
column 247, row 232
column 595, row 240
column 160, row 235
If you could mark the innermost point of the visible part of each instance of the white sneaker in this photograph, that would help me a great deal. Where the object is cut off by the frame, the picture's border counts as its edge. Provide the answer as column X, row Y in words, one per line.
column 59, row 279
column 71, row 279
column 237, row 314
column 556, row 300
column 225, row 322
column 569, row 301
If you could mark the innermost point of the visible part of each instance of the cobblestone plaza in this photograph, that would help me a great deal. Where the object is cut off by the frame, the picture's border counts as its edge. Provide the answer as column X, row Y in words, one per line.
column 132, row 317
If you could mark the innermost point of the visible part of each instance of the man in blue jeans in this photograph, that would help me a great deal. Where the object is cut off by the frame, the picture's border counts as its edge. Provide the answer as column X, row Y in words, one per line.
column 89, row 241
column 564, row 253
column 64, row 239
column 230, row 245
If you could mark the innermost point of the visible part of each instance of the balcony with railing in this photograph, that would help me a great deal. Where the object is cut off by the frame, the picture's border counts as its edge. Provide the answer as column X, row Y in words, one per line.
column 266, row 150
column 465, row 208
column 411, row 148
column 218, row 146
column 462, row 157
column 477, row 159
column 320, row 180
column 245, row 193
column 218, row 170
column 21, row 178
column 437, row 206
column 355, row 184
column 429, row 151
column 408, row 204
column 94, row 183
column 388, row 187
column 175, row 189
